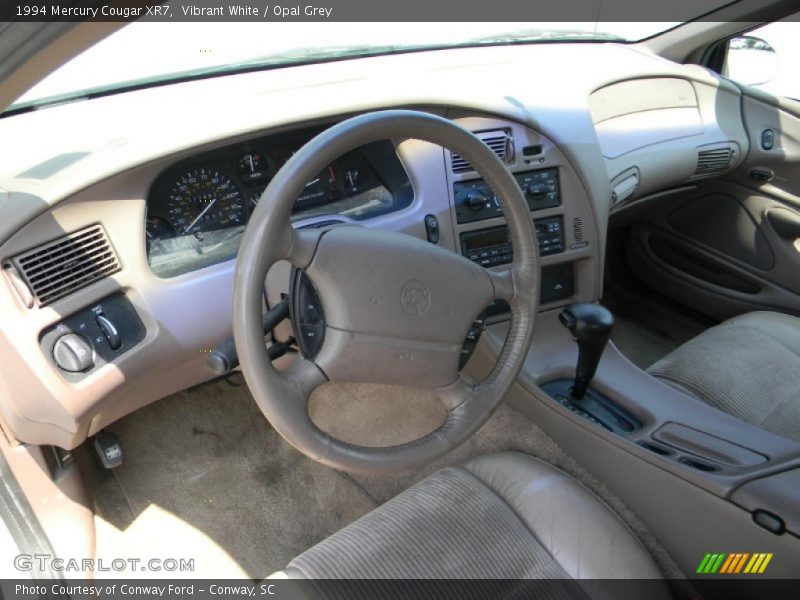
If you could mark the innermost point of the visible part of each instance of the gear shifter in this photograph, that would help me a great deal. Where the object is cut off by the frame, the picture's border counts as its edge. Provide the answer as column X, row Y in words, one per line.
column 590, row 326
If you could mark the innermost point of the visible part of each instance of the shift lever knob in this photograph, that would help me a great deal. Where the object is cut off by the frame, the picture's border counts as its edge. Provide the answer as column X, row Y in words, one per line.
column 590, row 326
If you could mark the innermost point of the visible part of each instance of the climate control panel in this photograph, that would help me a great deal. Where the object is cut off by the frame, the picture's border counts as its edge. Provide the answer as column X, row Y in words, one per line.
column 475, row 201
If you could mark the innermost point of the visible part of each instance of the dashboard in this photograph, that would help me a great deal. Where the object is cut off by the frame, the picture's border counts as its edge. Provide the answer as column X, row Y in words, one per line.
column 159, row 205
column 197, row 209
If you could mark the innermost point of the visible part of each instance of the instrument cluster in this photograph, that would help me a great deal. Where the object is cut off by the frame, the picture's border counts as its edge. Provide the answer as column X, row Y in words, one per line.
column 211, row 196
column 197, row 210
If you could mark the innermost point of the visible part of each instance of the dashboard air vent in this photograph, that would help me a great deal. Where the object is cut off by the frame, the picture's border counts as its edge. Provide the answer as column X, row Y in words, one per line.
column 713, row 162
column 500, row 142
column 67, row 264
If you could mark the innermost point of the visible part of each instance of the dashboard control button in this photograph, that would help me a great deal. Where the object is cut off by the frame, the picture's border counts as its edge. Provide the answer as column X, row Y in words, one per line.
column 432, row 228
column 110, row 331
column 312, row 333
column 73, row 353
column 768, row 139
column 532, row 150
column 476, row 200
column 307, row 315
column 471, row 341
column 537, row 189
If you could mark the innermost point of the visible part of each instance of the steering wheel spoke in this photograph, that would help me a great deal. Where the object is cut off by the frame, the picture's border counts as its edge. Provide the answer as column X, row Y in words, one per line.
column 503, row 283
column 455, row 394
column 303, row 245
column 306, row 376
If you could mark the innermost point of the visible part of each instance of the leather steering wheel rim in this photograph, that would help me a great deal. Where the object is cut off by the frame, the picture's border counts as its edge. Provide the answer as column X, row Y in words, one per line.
column 389, row 257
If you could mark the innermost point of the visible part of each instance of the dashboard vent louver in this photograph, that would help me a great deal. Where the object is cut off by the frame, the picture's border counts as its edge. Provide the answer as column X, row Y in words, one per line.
column 713, row 162
column 500, row 142
column 67, row 264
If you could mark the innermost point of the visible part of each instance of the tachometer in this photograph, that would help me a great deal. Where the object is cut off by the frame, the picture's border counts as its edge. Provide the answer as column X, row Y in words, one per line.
column 202, row 200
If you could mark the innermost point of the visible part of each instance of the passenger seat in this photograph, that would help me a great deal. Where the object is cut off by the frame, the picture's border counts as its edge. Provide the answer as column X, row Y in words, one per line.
column 748, row 367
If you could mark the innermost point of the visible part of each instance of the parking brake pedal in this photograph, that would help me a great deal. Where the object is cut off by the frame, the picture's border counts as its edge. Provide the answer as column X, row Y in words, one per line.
column 109, row 449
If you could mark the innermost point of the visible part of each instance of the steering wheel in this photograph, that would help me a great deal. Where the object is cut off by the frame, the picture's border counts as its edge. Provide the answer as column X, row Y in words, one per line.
column 389, row 308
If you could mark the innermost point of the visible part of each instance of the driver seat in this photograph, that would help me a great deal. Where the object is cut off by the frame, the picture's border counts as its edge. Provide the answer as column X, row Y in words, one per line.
column 500, row 516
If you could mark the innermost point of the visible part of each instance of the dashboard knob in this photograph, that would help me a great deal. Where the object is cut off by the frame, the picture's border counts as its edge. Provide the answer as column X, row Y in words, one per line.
column 475, row 200
column 536, row 189
column 73, row 353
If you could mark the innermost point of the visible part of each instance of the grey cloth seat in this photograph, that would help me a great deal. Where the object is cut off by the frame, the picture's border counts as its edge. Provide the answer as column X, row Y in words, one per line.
column 501, row 516
column 748, row 367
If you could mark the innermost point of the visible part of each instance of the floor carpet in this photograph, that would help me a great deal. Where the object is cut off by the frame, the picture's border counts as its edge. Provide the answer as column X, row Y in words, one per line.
column 646, row 332
column 206, row 477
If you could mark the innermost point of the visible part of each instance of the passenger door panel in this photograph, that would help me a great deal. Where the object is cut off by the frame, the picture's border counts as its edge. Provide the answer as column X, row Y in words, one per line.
column 732, row 245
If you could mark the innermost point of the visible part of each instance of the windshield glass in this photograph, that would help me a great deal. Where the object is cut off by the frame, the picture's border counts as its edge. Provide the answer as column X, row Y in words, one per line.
column 146, row 52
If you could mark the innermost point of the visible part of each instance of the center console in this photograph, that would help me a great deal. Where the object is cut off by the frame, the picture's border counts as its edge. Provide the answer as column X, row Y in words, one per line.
column 492, row 247
column 699, row 478
column 560, row 211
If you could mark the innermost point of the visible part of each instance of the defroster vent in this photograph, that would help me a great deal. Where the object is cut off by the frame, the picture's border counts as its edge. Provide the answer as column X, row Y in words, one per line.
column 500, row 142
column 61, row 267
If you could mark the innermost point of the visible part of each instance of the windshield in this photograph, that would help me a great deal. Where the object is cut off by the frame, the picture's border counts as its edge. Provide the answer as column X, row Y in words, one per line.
column 144, row 53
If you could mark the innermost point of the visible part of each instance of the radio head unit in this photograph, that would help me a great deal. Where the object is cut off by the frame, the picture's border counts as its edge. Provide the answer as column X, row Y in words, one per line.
column 491, row 247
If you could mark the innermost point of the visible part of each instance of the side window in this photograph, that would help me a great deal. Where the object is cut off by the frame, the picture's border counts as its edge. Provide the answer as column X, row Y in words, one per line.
column 765, row 58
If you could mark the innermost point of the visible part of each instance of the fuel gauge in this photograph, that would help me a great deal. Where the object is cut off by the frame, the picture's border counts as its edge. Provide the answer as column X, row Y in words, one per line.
column 356, row 175
column 353, row 179
column 157, row 228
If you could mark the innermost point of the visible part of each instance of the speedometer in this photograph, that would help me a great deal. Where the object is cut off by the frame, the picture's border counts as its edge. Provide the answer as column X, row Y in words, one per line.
column 202, row 200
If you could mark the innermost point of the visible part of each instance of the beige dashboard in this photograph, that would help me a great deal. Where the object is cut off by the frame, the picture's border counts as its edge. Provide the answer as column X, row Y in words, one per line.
column 101, row 161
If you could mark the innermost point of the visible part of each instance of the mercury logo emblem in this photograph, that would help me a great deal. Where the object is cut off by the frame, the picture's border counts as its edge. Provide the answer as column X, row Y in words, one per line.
column 415, row 298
